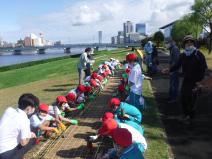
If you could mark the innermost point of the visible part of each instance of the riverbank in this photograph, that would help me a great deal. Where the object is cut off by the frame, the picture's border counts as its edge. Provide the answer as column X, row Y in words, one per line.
column 59, row 77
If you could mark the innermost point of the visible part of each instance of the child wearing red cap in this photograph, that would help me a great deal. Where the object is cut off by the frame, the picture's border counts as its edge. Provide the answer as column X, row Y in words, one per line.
column 125, row 148
column 124, row 111
column 40, row 122
column 135, row 81
column 61, row 102
column 109, row 126
column 79, row 92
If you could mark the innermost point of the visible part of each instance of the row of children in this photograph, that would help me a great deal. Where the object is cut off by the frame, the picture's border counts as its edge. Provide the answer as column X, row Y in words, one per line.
column 21, row 128
column 123, row 123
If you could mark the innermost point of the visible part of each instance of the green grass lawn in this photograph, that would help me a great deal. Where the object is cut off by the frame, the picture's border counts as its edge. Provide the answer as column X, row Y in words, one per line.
column 51, row 69
column 153, row 130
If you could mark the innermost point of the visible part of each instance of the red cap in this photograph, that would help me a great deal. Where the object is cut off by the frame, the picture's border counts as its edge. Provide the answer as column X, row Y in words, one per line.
column 94, row 75
column 104, row 74
column 107, row 127
column 61, row 99
column 81, row 88
column 131, row 57
column 114, row 102
column 87, row 88
column 93, row 83
column 104, row 66
column 43, row 107
column 99, row 78
column 127, row 71
column 107, row 115
column 71, row 97
column 121, row 88
column 107, row 72
column 122, row 137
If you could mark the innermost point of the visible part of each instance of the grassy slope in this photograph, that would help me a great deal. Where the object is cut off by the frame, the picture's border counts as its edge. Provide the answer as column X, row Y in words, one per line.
column 47, row 70
column 157, row 147
column 153, row 131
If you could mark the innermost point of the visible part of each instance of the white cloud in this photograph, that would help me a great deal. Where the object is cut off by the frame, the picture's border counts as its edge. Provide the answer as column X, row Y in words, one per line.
column 80, row 21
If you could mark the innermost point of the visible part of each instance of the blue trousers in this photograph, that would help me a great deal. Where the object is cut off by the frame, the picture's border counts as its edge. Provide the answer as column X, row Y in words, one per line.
column 174, row 85
column 134, row 100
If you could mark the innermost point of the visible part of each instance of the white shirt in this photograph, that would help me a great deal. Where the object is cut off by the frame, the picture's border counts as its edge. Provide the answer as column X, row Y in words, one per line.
column 14, row 126
column 137, row 137
column 135, row 77
column 52, row 108
column 80, row 98
column 35, row 121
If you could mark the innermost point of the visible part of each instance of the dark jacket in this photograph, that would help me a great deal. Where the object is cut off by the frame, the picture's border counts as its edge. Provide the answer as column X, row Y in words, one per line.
column 193, row 67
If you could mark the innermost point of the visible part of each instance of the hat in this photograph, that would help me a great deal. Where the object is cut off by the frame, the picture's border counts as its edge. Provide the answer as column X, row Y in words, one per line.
column 43, row 107
column 104, row 66
column 81, row 88
column 114, row 102
column 61, row 99
column 121, row 88
column 71, row 96
column 87, row 88
column 99, row 78
column 131, row 57
column 88, row 49
column 104, row 74
column 122, row 137
column 94, row 75
column 93, row 83
column 107, row 115
column 107, row 127
column 188, row 38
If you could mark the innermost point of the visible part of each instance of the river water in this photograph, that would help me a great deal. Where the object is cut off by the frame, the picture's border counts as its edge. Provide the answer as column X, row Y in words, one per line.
column 8, row 58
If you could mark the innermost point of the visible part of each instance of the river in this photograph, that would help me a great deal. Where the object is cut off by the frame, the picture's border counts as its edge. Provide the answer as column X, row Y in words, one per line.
column 8, row 58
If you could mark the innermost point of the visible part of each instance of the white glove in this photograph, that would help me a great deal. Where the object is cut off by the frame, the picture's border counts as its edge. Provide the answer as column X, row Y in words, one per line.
column 93, row 138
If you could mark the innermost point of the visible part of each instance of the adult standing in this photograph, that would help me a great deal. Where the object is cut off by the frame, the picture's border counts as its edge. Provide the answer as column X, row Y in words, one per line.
column 83, row 63
column 15, row 135
column 193, row 66
column 174, row 76
column 148, row 49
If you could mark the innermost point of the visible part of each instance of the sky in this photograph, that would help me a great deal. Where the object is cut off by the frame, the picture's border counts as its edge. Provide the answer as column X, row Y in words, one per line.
column 78, row 21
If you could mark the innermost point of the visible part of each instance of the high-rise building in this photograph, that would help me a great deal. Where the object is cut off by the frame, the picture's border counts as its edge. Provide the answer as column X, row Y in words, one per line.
column 114, row 40
column 141, row 28
column 100, row 36
column 120, row 33
column 128, row 28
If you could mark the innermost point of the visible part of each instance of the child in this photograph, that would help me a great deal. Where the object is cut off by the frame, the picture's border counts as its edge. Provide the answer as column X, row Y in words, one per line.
column 79, row 92
column 41, row 121
column 58, row 113
column 124, row 111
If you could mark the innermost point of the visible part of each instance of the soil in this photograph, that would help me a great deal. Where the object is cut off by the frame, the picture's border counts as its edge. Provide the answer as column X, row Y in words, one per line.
column 187, row 141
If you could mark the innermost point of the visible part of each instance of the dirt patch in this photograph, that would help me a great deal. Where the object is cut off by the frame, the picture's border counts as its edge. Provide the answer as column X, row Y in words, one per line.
column 46, row 90
column 74, row 144
column 187, row 141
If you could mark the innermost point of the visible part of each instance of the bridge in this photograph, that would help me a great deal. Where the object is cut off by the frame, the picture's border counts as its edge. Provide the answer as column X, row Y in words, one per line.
column 65, row 47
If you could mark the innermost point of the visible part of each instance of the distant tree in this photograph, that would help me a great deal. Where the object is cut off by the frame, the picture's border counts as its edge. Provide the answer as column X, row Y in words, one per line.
column 202, row 11
column 186, row 26
column 158, row 38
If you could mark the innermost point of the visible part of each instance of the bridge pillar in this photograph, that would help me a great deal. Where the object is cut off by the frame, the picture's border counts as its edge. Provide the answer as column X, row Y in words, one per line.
column 41, row 51
column 17, row 52
column 67, row 50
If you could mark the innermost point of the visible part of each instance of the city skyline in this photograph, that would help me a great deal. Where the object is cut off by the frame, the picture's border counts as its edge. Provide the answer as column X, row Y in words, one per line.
column 79, row 21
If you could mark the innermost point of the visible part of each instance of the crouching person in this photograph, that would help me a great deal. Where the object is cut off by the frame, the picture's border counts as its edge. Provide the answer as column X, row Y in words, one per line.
column 42, row 122
column 125, row 148
column 59, row 114
column 123, row 111
column 16, row 137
